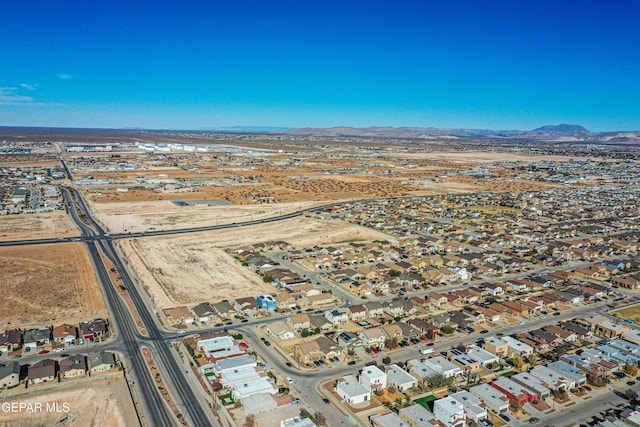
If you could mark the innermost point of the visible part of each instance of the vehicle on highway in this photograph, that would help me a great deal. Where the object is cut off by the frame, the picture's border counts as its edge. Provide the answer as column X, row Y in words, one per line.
column 289, row 364
column 58, row 350
column 521, row 322
column 16, row 356
column 351, row 362
column 44, row 352
column 533, row 420
column 631, row 382
column 290, row 380
column 325, row 400
column 427, row 350
column 557, row 313
column 484, row 331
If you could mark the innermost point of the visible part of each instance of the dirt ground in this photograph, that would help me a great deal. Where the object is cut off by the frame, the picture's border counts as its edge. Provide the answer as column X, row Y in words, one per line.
column 340, row 234
column 35, row 226
column 632, row 313
column 187, row 269
column 136, row 216
column 98, row 402
column 481, row 157
column 48, row 284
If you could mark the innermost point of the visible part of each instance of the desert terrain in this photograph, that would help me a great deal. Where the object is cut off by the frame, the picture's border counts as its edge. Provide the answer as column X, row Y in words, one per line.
column 138, row 216
column 181, row 269
column 97, row 402
column 481, row 156
column 37, row 226
column 48, row 284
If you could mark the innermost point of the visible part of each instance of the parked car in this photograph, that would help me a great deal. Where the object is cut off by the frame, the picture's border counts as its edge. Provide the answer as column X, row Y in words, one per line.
column 351, row 362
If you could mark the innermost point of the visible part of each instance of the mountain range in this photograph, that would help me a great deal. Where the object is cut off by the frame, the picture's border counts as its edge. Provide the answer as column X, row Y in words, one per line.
column 552, row 133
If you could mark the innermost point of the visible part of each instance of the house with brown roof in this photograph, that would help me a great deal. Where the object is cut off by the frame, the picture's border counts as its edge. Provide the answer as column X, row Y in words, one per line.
column 299, row 322
column 489, row 314
column 10, row 339
column 247, row 305
column 92, row 330
column 424, row 327
column 437, row 300
column 43, row 371
column 564, row 334
column 307, row 352
column 73, row 366
column 65, row 334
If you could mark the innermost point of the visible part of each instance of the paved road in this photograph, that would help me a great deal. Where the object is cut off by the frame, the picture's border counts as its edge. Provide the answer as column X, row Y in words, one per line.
column 156, row 410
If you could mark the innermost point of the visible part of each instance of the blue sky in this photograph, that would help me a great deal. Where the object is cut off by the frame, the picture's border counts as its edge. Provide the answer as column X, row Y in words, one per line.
column 194, row 64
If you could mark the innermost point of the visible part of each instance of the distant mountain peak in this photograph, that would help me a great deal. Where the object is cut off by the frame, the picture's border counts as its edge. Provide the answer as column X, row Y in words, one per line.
column 561, row 129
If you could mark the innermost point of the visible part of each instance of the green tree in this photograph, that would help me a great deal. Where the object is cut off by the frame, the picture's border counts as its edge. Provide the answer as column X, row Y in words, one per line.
column 532, row 360
column 448, row 329
column 630, row 370
column 391, row 343
column 320, row 419
column 595, row 380
column 518, row 362
column 393, row 273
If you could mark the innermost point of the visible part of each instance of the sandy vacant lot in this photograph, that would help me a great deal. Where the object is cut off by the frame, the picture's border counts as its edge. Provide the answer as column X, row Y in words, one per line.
column 187, row 269
column 35, row 226
column 340, row 234
column 161, row 215
column 48, row 284
column 97, row 402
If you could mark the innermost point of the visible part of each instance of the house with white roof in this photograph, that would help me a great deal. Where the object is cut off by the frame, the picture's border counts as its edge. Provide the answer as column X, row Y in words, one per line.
column 400, row 379
column 280, row 331
column 574, row 374
column 442, row 366
column 516, row 347
column 481, row 355
column 474, row 408
column 532, row 383
column 234, row 363
column 373, row 378
column 417, row 416
column 449, row 412
column 216, row 343
column 553, row 379
column 249, row 388
column 349, row 389
column 495, row 400
column 229, row 379
column 337, row 316
column 387, row 420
